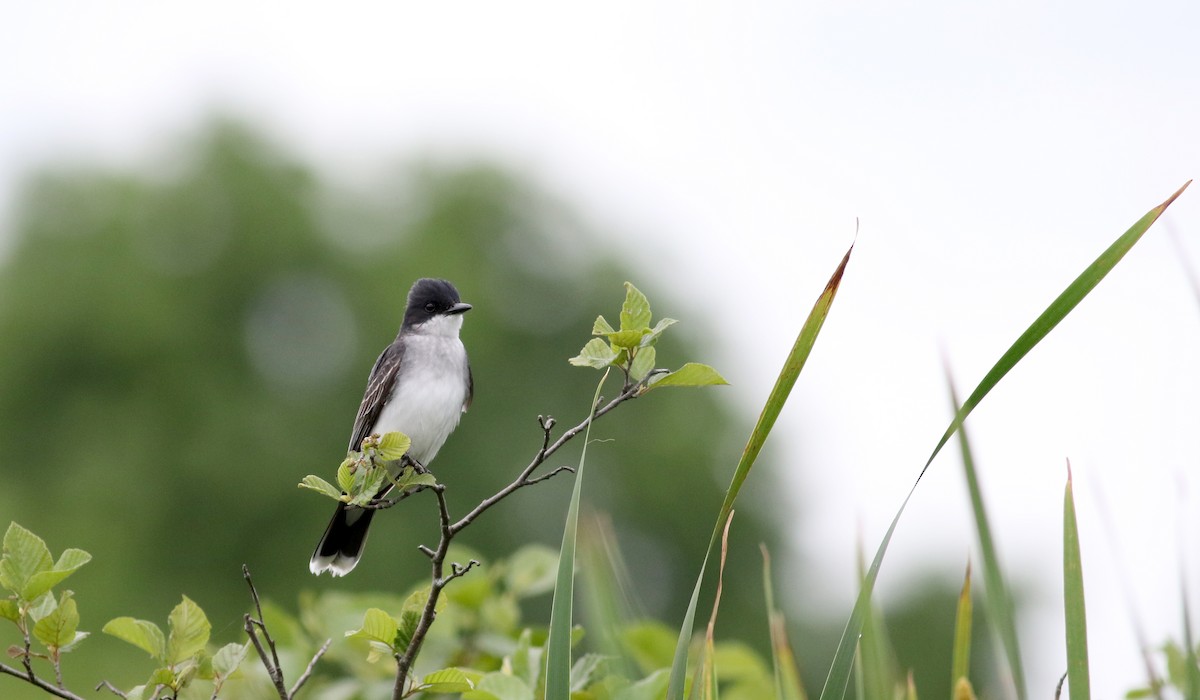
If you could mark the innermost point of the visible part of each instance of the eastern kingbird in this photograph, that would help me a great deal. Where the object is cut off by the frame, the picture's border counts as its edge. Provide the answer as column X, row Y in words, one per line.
column 420, row 386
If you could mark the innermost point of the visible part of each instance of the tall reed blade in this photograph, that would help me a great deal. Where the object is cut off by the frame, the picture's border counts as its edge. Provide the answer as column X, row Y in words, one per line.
column 558, row 645
column 787, row 676
column 960, row 658
column 997, row 598
column 1073, row 603
column 766, row 420
column 839, row 671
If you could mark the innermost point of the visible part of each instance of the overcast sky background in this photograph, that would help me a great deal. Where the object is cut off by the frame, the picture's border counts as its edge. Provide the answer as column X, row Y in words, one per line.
column 990, row 151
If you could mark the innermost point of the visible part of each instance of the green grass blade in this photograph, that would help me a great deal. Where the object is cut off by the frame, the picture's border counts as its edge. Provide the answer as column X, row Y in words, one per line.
column 997, row 597
column 787, row 677
column 876, row 659
column 766, row 420
column 558, row 645
column 1056, row 312
column 960, row 658
column 1076, row 615
column 839, row 672
column 705, row 685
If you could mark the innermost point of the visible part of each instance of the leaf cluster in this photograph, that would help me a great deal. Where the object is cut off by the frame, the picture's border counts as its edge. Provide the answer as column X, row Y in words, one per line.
column 362, row 475
column 630, row 348
column 181, row 654
column 29, row 574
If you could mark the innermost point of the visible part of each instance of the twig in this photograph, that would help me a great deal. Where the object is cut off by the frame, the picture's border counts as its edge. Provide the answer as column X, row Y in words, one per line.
column 29, row 677
column 308, row 671
column 382, row 503
column 274, row 670
column 56, row 659
column 449, row 528
column 548, row 449
column 111, row 688
column 251, row 627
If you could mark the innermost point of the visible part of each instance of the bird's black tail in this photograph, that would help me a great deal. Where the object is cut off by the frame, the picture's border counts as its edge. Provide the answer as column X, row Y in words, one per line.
column 342, row 544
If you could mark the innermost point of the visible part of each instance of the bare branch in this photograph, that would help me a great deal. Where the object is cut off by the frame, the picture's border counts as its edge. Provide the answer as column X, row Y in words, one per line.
column 450, row 528
column 272, row 665
column 111, row 688
column 547, row 475
column 548, row 449
column 308, row 671
column 29, row 677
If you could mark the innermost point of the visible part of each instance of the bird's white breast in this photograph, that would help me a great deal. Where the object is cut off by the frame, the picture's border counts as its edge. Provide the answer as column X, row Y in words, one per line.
column 428, row 394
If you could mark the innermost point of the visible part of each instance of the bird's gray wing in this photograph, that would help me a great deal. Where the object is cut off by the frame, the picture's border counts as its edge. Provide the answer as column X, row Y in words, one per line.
column 470, row 388
column 379, row 388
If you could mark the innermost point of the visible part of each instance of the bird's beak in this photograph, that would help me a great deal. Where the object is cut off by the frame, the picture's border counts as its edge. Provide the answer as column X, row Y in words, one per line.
column 459, row 308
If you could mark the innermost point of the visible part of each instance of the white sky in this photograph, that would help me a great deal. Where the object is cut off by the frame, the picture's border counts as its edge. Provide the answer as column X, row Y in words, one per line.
column 990, row 151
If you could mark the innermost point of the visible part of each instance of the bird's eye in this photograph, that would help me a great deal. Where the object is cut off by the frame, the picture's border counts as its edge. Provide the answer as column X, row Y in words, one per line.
column 430, row 307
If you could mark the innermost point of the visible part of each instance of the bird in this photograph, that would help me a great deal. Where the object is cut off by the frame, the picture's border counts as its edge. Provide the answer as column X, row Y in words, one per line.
column 420, row 385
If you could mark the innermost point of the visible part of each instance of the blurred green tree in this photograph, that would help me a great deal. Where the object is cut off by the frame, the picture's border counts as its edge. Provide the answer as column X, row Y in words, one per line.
column 182, row 345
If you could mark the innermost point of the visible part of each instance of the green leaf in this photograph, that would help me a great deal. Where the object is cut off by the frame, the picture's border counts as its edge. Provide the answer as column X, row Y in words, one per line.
column 691, row 374
column 410, row 477
column 228, row 658
column 345, row 475
column 68, row 563
column 584, row 672
column 627, row 339
column 141, row 633
column 57, row 629
column 596, row 354
column 839, row 672
column 316, row 483
column 410, row 617
column 79, row 637
column 162, row 676
column 662, row 325
column 503, row 686
column 530, row 571
column 446, row 680
column 371, row 485
column 377, row 626
column 766, row 421
column 649, row 688
column 43, row 606
column 1076, row 615
column 635, row 312
column 9, row 610
column 189, row 631
column 601, row 327
column 25, row 554
column 393, row 446
column 643, row 363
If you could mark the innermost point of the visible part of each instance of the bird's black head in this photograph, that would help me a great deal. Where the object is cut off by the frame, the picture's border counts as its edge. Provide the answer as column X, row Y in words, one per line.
column 430, row 298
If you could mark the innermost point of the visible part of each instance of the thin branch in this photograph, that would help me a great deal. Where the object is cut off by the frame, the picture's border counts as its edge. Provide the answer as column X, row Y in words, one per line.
column 547, row 475
column 111, row 688
column 25, row 660
column 308, row 671
column 29, row 677
column 274, row 672
column 57, row 661
column 383, row 503
column 548, row 449
column 449, row 528
column 273, row 669
column 404, row 661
